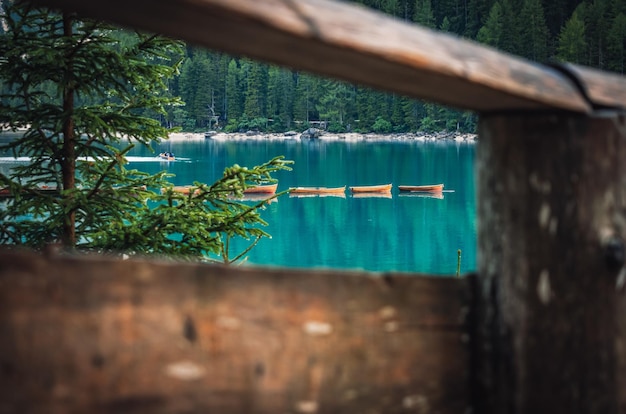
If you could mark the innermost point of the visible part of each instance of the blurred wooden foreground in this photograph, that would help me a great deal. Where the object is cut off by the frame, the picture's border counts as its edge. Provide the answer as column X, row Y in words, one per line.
column 91, row 335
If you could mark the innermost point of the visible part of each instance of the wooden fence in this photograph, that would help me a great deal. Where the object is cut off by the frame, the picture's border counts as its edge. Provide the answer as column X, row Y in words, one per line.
column 540, row 329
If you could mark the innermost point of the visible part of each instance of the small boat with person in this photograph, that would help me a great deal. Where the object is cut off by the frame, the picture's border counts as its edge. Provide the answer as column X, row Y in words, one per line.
column 383, row 188
column 432, row 188
column 168, row 156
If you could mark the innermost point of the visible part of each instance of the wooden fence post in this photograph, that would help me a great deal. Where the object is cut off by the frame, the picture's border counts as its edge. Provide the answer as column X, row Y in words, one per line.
column 551, row 190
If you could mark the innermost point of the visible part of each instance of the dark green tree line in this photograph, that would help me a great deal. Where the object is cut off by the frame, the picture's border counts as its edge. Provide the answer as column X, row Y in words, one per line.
column 250, row 95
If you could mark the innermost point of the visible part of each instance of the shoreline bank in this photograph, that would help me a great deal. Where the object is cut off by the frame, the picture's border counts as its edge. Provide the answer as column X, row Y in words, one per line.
column 326, row 136
column 321, row 135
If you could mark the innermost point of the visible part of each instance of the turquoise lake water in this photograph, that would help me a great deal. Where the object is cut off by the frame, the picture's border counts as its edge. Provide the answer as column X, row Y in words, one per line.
column 406, row 233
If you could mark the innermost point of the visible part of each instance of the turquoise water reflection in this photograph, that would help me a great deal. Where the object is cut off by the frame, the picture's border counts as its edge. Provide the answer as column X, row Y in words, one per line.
column 401, row 233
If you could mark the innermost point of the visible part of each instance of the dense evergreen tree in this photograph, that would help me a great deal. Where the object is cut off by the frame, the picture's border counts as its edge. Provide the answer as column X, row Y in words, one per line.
column 80, row 90
column 616, row 44
column 476, row 16
column 256, row 75
column 281, row 98
column 454, row 12
column 413, row 114
column 423, row 14
column 596, row 17
column 533, row 32
column 397, row 116
column 509, row 39
column 445, row 25
column 307, row 98
column 557, row 12
column 572, row 46
column 234, row 94
column 196, row 88
column 336, row 103
column 491, row 33
column 391, row 7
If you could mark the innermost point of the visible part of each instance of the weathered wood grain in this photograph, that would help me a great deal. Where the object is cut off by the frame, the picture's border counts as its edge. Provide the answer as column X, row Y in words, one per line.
column 352, row 43
column 92, row 335
column 601, row 88
column 551, row 231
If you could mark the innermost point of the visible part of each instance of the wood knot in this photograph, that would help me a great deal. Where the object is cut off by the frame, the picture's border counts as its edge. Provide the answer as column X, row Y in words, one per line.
column 614, row 255
column 189, row 330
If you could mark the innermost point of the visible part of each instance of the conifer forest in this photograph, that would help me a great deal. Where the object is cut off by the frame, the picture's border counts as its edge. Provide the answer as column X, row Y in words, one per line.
column 233, row 93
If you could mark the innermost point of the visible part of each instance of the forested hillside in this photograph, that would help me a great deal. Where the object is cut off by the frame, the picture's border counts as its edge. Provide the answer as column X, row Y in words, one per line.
column 241, row 94
column 234, row 93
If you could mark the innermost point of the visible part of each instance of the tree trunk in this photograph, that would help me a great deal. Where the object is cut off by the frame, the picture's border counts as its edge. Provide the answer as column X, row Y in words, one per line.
column 68, row 162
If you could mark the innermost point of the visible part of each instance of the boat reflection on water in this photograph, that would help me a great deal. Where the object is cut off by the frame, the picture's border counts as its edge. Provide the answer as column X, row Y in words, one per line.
column 259, row 197
column 372, row 195
column 437, row 195
column 316, row 195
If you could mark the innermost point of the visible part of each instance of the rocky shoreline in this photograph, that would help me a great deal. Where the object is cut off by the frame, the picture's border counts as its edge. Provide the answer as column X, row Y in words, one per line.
column 327, row 136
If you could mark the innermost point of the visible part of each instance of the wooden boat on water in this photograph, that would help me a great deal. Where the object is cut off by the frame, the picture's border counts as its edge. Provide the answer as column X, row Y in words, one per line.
column 383, row 188
column 424, row 188
column 317, row 190
column 42, row 189
column 261, row 189
column 184, row 189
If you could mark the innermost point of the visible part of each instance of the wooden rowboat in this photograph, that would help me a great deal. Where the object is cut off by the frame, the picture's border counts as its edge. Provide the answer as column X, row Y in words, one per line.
column 266, row 190
column 430, row 188
column 261, row 189
column 42, row 189
column 184, row 189
column 317, row 190
column 384, row 188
